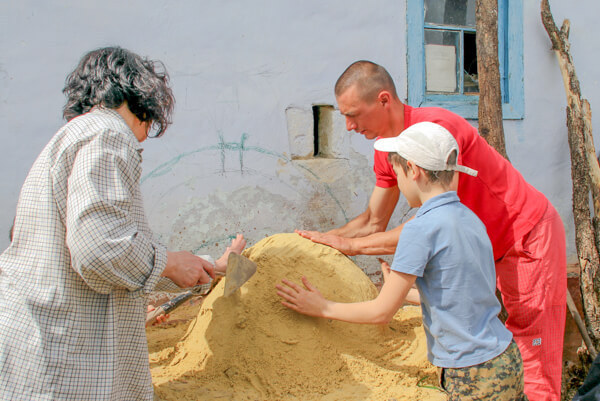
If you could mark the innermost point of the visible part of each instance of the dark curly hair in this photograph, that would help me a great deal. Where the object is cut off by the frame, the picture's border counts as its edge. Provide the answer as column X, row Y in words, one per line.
column 110, row 76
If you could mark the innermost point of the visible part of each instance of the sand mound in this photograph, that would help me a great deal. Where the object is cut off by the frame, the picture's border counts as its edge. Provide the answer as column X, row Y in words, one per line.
column 249, row 347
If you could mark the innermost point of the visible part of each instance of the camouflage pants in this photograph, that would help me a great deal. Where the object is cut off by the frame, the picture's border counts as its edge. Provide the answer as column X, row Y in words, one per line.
column 500, row 378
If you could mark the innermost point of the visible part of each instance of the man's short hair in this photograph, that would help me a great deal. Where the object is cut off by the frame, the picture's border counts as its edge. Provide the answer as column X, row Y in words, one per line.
column 110, row 76
column 370, row 79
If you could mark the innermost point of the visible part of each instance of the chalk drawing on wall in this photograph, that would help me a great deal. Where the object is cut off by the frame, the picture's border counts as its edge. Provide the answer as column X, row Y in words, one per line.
column 329, row 191
column 239, row 148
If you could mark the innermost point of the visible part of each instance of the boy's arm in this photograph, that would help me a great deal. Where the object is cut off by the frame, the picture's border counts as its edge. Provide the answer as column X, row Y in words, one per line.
column 413, row 297
column 309, row 301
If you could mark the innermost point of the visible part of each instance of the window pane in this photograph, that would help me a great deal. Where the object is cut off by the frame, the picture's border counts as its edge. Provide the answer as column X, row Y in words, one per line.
column 470, row 81
column 450, row 12
column 441, row 60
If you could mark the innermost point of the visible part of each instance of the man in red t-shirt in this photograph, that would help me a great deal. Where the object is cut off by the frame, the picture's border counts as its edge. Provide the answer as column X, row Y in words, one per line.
column 526, row 232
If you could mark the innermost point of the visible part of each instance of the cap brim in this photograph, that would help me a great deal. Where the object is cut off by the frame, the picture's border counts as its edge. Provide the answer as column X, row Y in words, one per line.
column 386, row 144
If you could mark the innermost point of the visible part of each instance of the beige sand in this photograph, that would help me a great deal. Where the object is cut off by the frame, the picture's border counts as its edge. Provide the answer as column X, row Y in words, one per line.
column 249, row 347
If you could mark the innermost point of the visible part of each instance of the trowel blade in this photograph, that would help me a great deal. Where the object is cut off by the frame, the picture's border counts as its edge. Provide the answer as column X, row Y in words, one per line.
column 239, row 270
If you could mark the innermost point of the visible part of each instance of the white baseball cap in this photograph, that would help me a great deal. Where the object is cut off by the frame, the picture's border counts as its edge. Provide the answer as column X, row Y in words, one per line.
column 426, row 144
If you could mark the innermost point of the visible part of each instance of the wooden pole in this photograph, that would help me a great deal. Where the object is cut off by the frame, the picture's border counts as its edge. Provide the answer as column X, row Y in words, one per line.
column 491, row 126
column 585, row 174
column 580, row 325
column 488, row 74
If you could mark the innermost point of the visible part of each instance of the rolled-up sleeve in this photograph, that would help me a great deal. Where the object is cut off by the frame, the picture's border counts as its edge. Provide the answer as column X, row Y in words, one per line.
column 107, row 235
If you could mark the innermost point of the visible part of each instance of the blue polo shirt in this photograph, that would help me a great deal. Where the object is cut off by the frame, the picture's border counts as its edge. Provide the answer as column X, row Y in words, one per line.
column 447, row 247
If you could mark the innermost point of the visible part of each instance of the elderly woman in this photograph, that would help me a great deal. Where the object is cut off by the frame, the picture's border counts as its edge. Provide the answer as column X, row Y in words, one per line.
column 74, row 279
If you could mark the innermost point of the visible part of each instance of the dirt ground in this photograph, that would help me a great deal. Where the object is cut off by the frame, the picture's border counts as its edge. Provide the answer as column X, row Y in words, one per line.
column 388, row 365
column 249, row 347
column 163, row 340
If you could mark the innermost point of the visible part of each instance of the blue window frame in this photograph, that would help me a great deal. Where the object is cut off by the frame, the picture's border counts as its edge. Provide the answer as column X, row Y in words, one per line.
column 459, row 99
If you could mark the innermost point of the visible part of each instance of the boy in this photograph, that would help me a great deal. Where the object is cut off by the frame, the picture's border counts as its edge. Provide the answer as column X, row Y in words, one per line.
column 446, row 251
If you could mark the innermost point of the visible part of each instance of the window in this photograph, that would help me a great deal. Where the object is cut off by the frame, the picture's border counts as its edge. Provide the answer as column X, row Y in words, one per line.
column 442, row 56
column 317, row 133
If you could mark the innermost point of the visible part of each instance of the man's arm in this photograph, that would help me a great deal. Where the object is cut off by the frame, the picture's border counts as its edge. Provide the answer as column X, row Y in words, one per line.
column 375, row 219
column 375, row 244
column 365, row 234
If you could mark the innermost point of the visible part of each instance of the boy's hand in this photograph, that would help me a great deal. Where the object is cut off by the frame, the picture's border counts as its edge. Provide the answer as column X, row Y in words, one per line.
column 237, row 246
column 307, row 301
column 385, row 269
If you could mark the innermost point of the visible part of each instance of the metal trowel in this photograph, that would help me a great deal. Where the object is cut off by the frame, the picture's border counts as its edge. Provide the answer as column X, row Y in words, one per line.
column 239, row 270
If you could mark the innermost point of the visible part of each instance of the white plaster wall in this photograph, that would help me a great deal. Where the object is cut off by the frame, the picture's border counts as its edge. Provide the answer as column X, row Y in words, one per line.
column 538, row 145
column 224, row 166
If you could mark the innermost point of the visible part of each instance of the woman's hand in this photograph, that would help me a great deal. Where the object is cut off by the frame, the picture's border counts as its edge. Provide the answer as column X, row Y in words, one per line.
column 187, row 270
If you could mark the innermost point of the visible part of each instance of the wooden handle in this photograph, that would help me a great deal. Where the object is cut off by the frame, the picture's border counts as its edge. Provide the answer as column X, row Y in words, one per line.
column 151, row 316
column 580, row 325
column 168, row 306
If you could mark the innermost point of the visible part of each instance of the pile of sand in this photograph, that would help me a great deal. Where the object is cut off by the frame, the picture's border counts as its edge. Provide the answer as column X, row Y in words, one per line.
column 250, row 347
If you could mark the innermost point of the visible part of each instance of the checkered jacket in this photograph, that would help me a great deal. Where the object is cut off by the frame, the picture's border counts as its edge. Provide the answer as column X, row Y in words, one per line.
column 74, row 280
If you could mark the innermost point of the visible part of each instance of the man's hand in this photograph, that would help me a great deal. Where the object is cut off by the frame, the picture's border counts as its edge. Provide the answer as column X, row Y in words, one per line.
column 187, row 270
column 307, row 301
column 307, row 234
column 342, row 244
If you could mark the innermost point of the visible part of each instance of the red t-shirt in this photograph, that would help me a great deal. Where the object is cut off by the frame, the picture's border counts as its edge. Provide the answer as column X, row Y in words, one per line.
column 499, row 195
